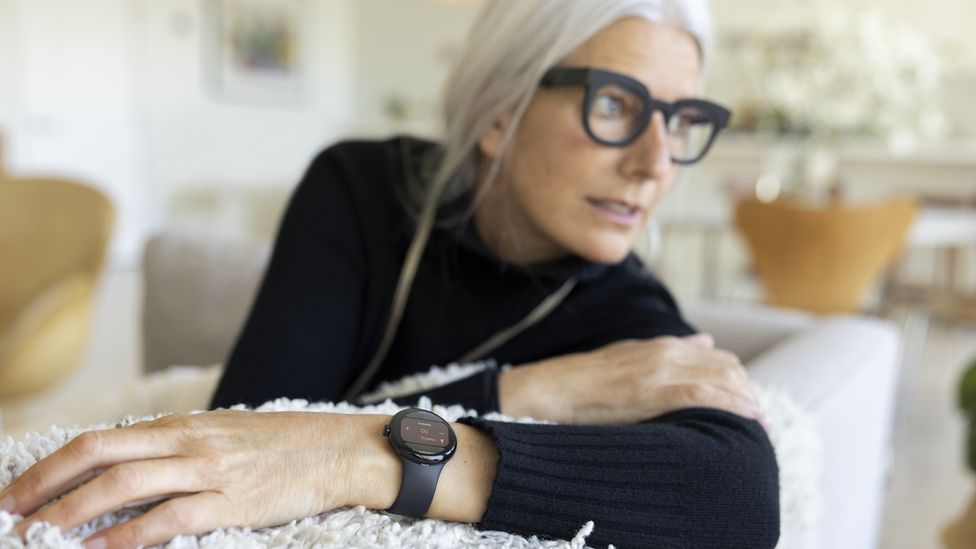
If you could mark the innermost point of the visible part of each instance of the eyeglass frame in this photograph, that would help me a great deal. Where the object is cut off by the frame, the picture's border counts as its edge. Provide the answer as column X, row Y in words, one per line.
column 593, row 79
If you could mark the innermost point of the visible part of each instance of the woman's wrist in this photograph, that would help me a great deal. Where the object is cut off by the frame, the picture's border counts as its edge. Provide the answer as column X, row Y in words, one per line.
column 375, row 472
column 465, row 484
column 375, row 469
column 513, row 394
column 528, row 390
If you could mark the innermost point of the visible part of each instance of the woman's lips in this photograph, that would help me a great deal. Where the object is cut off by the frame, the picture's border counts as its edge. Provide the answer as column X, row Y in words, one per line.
column 621, row 213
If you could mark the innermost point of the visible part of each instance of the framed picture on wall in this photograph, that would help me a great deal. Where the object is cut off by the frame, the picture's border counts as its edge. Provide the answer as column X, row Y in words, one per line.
column 254, row 50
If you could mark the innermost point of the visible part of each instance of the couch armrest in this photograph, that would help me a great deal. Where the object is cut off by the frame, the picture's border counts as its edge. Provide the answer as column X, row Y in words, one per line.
column 814, row 364
column 843, row 370
column 746, row 329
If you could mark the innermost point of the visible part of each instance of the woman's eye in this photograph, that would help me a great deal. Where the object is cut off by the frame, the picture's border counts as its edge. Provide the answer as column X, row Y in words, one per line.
column 694, row 119
column 609, row 106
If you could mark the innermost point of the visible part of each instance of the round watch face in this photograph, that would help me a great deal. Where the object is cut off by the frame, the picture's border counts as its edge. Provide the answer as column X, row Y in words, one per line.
column 421, row 436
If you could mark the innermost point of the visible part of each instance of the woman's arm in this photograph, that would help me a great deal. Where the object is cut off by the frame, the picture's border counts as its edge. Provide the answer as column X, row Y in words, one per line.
column 299, row 338
column 630, row 381
column 619, row 383
column 694, row 478
column 464, row 485
column 231, row 468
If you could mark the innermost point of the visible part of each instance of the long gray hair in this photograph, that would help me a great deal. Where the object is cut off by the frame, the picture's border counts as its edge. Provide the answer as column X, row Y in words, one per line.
column 512, row 43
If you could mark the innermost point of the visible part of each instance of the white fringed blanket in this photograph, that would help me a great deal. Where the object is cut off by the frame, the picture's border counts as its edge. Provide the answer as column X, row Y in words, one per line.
column 793, row 435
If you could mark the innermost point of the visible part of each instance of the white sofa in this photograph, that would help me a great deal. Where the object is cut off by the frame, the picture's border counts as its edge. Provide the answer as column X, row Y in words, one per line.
column 841, row 370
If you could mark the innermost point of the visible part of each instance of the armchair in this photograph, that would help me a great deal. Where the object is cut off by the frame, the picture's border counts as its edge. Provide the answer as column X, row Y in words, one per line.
column 53, row 239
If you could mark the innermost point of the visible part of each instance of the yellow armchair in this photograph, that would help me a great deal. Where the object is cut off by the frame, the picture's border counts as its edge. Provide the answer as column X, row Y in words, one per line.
column 53, row 238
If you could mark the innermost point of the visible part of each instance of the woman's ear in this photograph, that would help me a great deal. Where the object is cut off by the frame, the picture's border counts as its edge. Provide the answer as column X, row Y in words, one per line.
column 490, row 141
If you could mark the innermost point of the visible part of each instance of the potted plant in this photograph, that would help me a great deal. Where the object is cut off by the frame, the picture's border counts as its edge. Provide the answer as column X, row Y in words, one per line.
column 962, row 532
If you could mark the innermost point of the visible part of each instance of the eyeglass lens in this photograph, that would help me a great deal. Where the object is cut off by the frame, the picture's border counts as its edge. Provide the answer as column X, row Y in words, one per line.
column 616, row 113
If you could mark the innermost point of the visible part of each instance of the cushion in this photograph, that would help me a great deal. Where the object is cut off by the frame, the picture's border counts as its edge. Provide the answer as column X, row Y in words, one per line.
column 793, row 436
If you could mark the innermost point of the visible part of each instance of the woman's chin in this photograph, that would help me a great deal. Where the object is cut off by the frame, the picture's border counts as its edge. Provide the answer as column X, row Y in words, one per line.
column 607, row 250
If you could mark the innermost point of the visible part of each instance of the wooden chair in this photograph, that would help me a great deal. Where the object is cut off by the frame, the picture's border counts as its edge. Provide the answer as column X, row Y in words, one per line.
column 53, row 239
column 822, row 259
column 946, row 232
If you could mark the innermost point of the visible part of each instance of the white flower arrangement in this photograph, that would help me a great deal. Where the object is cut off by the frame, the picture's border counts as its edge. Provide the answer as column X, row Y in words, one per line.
column 850, row 73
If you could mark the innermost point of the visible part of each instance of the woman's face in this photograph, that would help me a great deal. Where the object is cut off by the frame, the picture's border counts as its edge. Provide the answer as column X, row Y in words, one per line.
column 550, row 197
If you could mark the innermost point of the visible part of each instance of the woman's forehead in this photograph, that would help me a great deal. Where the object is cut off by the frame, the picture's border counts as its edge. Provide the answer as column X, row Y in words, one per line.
column 664, row 58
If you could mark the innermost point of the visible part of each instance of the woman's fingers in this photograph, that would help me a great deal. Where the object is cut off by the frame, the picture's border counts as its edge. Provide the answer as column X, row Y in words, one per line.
column 723, row 369
column 699, row 395
column 123, row 485
column 702, row 340
column 78, row 461
column 731, row 379
column 196, row 514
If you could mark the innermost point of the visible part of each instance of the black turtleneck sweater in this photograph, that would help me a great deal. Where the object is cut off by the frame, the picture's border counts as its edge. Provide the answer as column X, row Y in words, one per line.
column 692, row 478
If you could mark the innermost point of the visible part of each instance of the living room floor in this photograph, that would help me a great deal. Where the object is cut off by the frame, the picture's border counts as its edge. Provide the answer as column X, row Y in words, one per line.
column 929, row 485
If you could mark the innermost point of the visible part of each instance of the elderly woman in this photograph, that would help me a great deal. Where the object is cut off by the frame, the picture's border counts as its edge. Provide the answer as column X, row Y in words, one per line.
column 510, row 241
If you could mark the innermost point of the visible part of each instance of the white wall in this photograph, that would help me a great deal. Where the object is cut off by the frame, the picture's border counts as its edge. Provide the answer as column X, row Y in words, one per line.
column 404, row 47
column 71, row 100
column 7, row 54
column 113, row 92
column 199, row 137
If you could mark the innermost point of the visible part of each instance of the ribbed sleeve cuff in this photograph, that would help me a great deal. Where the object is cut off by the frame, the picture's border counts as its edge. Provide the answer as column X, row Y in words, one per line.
column 692, row 478
column 537, row 492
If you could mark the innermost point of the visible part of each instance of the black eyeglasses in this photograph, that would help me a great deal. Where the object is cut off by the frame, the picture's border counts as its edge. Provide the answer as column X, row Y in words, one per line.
column 617, row 109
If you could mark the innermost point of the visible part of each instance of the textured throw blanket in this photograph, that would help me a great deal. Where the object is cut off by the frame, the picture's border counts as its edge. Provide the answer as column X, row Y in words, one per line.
column 793, row 435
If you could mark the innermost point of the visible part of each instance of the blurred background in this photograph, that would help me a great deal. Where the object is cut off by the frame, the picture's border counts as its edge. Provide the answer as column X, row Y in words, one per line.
column 847, row 183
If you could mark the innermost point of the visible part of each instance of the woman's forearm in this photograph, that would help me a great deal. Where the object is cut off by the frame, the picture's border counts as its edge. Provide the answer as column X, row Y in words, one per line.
column 520, row 394
column 627, row 382
column 464, row 485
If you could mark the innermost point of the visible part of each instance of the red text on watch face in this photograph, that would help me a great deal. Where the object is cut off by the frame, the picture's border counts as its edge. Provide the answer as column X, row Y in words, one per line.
column 418, row 431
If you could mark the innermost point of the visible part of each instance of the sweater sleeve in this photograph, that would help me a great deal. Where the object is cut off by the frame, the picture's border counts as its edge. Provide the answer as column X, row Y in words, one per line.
column 299, row 338
column 694, row 478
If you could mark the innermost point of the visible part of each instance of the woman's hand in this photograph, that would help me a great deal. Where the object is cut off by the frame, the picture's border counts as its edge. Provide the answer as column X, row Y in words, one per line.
column 222, row 469
column 630, row 381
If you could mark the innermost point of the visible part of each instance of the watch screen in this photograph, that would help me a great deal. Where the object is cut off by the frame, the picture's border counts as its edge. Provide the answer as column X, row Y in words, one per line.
column 418, row 431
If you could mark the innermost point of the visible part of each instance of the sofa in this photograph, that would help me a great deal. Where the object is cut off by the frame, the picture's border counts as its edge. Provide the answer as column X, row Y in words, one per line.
column 842, row 370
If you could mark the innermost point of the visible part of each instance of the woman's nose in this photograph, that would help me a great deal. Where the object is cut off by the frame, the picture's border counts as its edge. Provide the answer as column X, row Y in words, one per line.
column 650, row 154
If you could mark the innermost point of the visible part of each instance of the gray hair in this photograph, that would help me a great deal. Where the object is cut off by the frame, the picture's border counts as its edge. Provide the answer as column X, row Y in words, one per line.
column 512, row 44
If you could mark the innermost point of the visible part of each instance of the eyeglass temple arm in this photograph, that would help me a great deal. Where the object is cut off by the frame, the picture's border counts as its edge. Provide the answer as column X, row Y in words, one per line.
column 561, row 76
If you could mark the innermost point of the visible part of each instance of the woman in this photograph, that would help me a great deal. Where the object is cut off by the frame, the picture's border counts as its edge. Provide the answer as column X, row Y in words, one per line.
column 565, row 125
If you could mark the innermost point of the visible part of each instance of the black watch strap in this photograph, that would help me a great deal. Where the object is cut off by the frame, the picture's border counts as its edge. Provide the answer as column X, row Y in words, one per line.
column 416, row 489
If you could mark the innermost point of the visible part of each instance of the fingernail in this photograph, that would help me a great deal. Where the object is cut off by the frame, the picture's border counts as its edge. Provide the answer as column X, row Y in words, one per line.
column 96, row 543
column 7, row 504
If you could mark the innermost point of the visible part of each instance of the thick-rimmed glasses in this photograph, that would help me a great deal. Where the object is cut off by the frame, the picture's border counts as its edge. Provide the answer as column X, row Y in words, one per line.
column 617, row 110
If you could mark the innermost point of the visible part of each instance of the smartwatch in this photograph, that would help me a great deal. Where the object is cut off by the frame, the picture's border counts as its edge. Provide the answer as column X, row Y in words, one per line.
column 424, row 441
